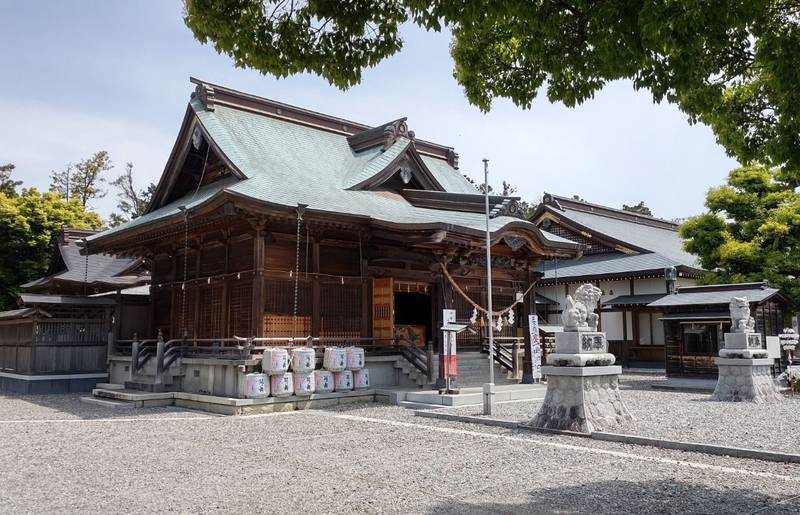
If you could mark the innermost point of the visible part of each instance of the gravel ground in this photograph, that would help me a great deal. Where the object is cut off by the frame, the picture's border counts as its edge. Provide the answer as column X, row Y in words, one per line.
column 691, row 417
column 357, row 458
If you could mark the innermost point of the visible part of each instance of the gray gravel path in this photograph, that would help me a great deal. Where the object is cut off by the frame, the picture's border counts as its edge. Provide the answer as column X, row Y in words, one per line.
column 357, row 458
column 689, row 417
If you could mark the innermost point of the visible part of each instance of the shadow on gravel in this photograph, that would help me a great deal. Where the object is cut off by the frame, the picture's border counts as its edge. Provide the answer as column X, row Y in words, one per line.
column 66, row 405
column 615, row 497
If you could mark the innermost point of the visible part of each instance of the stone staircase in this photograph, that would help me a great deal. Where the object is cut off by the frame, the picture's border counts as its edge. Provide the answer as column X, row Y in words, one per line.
column 473, row 370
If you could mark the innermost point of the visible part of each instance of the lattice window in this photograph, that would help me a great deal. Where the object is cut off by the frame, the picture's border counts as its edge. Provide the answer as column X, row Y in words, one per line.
column 279, row 308
column 191, row 265
column 184, row 311
column 240, row 310
column 340, row 310
column 240, row 255
column 212, row 259
column 161, row 299
column 210, row 320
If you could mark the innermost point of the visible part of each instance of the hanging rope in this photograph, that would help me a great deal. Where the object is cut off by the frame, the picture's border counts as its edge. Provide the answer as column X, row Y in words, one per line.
column 297, row 272
column 185, row 330
column 475, row 305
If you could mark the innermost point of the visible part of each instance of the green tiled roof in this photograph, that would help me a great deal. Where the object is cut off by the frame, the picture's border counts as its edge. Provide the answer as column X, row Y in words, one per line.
column 606, row 264
column 287, row 164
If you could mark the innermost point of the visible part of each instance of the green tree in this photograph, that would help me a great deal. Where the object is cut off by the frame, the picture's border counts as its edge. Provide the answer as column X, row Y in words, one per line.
column 83, row 180
column 131, row 200
column 751, row 230
column 732, row 64
column 28, row 223
column 8, row 186
column 638, row 208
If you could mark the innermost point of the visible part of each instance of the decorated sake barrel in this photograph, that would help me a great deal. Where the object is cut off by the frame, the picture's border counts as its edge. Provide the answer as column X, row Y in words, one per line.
column 275, row 361
column 303, row 383
column 282, row 385
column 323, row 381
column 303, row 360
column 343, row 381
column 355, row 358
column 335, row 359
column 256, row 386
column 361, row 379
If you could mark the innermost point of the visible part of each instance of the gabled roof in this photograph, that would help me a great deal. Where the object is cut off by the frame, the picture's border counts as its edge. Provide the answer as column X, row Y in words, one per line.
column 719, row 294
column 632, row 231
column 615, row 264
column 285, row 156
column 69, row 266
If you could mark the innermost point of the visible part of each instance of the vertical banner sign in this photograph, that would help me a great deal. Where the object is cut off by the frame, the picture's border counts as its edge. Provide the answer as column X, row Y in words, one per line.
column 536, row 346
column 450, row 364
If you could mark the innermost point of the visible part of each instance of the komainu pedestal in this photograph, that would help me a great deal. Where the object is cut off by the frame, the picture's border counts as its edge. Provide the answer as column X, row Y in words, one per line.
column 583, row 399
column 582, row 380
column 745, row 372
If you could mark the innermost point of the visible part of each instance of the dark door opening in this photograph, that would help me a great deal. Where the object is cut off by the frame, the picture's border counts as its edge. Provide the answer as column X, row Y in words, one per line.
column 412, row 317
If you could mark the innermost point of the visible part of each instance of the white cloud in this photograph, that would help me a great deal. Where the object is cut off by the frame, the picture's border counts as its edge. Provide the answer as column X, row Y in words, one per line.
column 38, row 138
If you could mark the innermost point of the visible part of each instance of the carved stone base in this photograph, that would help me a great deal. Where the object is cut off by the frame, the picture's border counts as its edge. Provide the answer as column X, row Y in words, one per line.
column 582, row 399
column 746, row 380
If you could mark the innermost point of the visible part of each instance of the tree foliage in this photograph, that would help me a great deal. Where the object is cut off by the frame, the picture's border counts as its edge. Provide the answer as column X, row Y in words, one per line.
column 8, row 186
column 638, row 208
column 751, row 230
column 82, row 181
column 132, row 201
column 28, row 222
column 733, row 64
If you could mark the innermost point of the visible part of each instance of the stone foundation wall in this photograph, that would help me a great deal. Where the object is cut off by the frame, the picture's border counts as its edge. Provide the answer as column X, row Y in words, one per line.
column 751, row 383
column 583, row 404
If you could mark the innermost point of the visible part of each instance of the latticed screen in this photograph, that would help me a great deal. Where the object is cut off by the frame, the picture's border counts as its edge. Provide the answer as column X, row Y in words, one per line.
column 279, row 308
column 162, row 307
column 240, row 307
column 191, row 264
column 340, row 310
column 592, row 247
column 212, row 260
column 184, row 311
column 210, row 312
column 240, row 256
column 162, row 268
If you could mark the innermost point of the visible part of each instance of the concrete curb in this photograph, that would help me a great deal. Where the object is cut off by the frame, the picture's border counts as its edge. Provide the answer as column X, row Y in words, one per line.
column 705, row 448
column 718, row 450
column 495, row 422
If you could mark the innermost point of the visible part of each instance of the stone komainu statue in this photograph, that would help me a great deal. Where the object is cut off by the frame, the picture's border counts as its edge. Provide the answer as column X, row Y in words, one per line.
column 578, row 313
column 741, row 321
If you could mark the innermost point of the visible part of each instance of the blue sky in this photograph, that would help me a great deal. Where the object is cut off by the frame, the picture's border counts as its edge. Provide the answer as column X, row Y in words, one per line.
column 83, row 76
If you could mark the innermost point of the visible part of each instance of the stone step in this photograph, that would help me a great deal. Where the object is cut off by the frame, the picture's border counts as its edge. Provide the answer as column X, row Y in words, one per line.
column 475, row 395
column 108, row 403
column 419, row 405
column 110, row 386
column 131, row 395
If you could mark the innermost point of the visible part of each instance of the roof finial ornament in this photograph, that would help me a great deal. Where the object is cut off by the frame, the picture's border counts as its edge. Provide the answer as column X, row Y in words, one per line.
column 452, row 158
column 395, row 130
column 205, row 94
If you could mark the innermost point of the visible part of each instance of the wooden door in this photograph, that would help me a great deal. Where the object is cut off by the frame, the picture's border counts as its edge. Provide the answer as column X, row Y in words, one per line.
column 383, row 309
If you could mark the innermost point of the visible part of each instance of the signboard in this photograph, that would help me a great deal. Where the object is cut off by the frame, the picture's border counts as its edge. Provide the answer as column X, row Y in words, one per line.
column 447, row 358
column 536, row 346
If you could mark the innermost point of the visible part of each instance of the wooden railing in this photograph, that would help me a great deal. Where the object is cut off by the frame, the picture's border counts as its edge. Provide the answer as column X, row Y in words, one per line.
column 507, row 351
column 166, row 353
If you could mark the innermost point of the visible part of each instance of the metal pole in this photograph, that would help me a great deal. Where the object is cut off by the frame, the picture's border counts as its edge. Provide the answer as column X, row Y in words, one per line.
column 488, row 389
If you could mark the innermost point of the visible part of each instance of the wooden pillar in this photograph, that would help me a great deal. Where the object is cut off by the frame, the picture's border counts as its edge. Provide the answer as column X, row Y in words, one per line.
column 316, row 301
column 224, row 329
column 366, row 301
column 528, row 308
column 259, row 291
column 196, row 289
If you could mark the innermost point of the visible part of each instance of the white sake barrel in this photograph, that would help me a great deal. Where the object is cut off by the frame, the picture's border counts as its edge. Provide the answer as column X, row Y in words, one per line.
column 323, row 381
column 361, row 379
column 256, row 386
column 303, row 360
column 343, row 381
column 303, row 383
column 335, row 359
column 275, row 361
column 282, row 385
column 355, row 358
